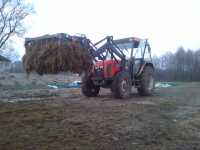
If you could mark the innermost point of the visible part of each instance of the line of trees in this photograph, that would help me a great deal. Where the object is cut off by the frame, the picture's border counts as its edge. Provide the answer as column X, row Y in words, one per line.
column 183, row 65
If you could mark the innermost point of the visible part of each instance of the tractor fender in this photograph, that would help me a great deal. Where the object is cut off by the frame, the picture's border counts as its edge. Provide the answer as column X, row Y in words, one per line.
column 142, row 67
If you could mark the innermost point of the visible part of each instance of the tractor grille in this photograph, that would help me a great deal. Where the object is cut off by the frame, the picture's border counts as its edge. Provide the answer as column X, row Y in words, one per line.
column 99, row 72
column 108, row 70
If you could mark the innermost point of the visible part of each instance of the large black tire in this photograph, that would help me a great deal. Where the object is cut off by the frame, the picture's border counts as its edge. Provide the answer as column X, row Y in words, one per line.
column 88, row 88
column 147, row 83
column 121, row 86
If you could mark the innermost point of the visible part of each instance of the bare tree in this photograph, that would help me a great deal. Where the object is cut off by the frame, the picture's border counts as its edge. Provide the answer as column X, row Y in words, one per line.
column 12, row 14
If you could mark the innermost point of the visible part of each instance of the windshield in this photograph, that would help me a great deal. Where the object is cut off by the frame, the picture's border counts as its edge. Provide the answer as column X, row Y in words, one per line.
column 133, row 48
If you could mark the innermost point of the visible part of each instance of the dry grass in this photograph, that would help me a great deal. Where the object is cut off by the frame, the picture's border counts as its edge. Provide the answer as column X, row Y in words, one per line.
column 52, row 56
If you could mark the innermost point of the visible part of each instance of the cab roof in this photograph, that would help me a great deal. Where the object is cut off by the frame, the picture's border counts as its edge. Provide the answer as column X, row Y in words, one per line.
column 131, row 42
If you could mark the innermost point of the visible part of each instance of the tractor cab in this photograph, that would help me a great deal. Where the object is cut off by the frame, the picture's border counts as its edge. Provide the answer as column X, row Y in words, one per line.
column 137, row 52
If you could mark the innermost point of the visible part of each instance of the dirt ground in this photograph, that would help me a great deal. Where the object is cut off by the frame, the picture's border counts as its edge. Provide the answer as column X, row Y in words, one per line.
column 63, row 119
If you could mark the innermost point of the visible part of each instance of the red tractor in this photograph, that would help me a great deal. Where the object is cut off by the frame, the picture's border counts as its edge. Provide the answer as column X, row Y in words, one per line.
column 120, row 65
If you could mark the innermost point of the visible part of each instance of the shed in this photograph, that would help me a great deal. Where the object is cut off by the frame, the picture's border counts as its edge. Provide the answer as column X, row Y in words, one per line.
column 4, row 63
column 4, row 59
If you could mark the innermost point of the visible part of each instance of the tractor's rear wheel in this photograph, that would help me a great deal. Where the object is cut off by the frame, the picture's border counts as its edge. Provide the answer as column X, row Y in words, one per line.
column 147, row 83
column 121, row 86
column 88, row 88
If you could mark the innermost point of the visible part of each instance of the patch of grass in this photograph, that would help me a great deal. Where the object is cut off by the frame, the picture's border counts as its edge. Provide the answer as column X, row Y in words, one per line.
column 25, row 125
column 40, row 126
column 168, row 105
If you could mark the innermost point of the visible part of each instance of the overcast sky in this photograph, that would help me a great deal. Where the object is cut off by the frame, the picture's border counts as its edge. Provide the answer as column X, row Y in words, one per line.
column 167, row 24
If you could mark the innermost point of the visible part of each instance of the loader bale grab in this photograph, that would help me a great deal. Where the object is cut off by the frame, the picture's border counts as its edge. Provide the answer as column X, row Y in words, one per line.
column 51, row 54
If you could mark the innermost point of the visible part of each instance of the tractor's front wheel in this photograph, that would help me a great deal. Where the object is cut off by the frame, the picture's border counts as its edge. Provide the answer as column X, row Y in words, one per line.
column 88, row 88
column 121, row 86
column 147, row 82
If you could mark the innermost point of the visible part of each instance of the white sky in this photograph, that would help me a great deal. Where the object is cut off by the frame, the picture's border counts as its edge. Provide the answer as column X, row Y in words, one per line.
column 166, row 23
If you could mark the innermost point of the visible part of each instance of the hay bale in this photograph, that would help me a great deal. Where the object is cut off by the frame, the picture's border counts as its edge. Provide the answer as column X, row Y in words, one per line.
column 56, row 54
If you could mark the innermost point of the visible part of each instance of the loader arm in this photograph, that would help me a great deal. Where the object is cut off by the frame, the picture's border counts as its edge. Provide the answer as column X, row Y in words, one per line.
column 109, row 46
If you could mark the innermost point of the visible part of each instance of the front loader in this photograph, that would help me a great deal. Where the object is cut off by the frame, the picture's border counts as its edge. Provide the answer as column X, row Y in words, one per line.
column 119, row 65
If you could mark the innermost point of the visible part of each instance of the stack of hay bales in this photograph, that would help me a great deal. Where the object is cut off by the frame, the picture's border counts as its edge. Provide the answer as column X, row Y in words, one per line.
column 51, row 54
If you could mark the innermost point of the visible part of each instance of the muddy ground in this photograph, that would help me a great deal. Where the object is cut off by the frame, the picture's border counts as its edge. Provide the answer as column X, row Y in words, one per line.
column 63, row 119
